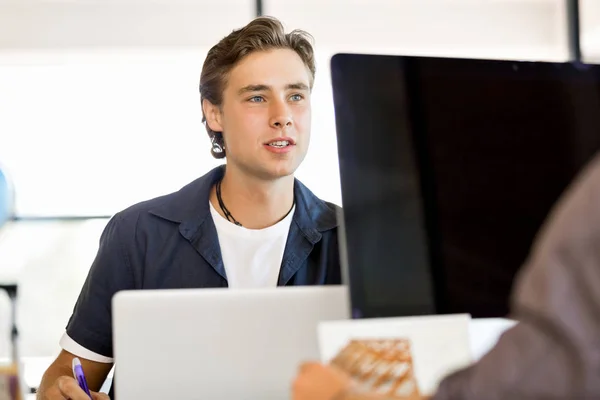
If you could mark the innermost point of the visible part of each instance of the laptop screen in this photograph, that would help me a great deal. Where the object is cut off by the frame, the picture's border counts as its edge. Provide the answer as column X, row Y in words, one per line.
column 448, row 168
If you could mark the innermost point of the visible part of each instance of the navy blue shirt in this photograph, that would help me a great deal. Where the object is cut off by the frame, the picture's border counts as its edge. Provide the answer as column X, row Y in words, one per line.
column 171, row 242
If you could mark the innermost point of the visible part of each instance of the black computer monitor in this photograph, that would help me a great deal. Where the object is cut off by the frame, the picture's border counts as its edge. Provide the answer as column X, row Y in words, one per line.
column 448, row 169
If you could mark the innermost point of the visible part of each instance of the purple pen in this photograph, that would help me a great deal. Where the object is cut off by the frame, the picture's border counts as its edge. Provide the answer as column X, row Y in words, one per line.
column 80, row 377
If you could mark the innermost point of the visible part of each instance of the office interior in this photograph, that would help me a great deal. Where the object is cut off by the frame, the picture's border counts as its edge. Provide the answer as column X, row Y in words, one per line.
column 99, row 109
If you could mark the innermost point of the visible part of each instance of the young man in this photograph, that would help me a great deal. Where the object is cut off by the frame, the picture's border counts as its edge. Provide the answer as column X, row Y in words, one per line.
column 249, row 224
column 554, row 350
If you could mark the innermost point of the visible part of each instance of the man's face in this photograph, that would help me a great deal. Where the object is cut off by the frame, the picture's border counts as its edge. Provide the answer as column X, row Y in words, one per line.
column 266, row 114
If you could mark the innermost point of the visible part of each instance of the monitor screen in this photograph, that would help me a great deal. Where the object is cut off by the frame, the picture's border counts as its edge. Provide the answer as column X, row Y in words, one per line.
column 449, row 168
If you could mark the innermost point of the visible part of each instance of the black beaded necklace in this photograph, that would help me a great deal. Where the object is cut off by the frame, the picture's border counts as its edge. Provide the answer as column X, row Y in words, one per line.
column 223, row 208
column 226, row 212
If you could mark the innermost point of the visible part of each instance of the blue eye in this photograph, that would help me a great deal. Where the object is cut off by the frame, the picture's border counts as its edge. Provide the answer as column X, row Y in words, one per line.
column 297, row 97
column 256, row 99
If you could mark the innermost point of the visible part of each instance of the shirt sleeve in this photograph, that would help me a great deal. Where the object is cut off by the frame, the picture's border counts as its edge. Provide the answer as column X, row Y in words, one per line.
column 68, row 344
column 554, row 350
column 90, row 325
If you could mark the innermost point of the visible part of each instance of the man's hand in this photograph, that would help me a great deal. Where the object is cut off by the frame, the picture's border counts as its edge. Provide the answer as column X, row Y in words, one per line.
column 67, row 388
column 316, row 381
column 58, row 382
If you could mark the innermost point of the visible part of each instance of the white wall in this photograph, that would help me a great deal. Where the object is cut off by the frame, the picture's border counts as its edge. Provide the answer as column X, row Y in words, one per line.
column 589, row 11
column 511, row 29
column 82, row 126
column 55, row 24
column 49, row 260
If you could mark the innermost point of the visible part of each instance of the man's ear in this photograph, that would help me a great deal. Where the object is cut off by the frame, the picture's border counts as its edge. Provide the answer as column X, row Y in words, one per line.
column 213, row 116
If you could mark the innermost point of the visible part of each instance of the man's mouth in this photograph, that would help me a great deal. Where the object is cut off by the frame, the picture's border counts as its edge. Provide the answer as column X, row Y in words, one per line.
column 280, row 144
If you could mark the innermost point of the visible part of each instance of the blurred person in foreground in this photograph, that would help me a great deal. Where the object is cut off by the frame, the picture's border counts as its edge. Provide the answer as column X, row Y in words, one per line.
column 553, row 352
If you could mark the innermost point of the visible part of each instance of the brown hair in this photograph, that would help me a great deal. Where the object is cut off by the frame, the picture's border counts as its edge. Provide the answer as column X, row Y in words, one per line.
column 261, row 34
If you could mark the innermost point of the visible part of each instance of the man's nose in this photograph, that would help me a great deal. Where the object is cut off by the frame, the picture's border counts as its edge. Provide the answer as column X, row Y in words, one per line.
column 281, row 117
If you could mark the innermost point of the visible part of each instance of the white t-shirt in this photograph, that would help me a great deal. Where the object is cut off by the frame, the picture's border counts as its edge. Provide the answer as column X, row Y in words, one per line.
column 252, row 259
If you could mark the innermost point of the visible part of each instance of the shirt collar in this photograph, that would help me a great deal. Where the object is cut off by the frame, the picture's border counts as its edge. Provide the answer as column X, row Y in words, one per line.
column 189, row 207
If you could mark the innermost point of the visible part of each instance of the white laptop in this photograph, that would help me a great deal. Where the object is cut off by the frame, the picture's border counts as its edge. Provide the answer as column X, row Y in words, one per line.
column 218, row 343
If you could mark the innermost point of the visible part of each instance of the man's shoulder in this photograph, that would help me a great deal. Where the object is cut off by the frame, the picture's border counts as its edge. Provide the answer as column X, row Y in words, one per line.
column 147, row 206
column 128, row 222
column 324, row 214
column 332, row 208
column 177, row 206
column 142, row 208
column 331, row 218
